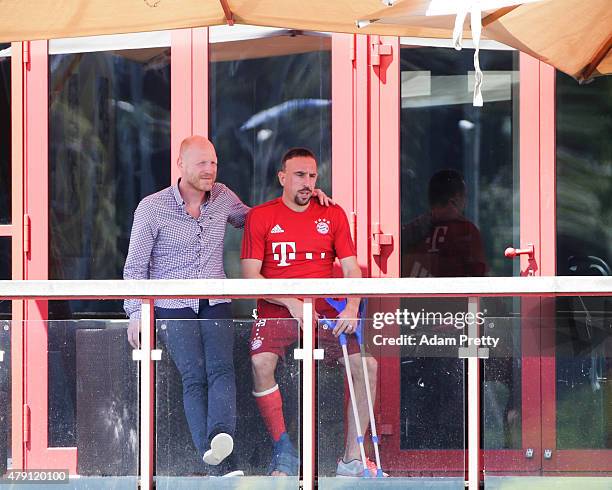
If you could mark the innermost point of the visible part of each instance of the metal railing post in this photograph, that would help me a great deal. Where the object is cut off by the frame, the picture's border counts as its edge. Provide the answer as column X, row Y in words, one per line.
column 473, row 403
column 308, row 423
column 147, row 329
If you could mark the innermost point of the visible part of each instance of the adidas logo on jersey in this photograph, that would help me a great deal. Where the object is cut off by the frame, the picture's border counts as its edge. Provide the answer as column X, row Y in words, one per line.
column 277, row 229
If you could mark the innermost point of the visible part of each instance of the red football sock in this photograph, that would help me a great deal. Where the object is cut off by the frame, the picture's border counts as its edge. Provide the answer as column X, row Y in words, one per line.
column 270, row 406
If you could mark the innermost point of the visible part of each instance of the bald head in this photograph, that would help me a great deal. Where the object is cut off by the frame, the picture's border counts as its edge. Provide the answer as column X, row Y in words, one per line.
column 197, row 162
column 195, row 142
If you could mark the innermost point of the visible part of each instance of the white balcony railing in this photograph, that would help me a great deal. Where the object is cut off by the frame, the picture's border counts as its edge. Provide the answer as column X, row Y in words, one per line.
column 471, row 288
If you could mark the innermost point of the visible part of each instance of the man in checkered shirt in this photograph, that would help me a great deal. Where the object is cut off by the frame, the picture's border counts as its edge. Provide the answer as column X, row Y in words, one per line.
column 178, row 233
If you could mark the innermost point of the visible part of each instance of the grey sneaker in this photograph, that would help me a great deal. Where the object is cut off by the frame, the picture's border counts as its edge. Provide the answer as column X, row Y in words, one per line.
column 352, row 468
column 221, row 447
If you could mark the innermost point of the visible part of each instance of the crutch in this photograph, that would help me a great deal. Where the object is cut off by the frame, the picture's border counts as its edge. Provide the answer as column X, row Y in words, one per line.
column 349, row 377
column 339, row 306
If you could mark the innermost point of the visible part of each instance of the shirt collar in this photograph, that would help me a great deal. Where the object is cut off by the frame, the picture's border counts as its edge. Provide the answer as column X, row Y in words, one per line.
column 211, row 196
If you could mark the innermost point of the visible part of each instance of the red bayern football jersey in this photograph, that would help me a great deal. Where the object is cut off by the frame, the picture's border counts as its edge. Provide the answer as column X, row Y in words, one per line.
column 294, row 244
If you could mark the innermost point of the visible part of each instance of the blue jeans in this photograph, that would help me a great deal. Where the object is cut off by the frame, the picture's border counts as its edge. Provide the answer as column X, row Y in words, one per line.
column 202, row 349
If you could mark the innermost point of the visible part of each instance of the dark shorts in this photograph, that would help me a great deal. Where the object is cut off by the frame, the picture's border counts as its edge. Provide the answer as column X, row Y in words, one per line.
column 276, row 334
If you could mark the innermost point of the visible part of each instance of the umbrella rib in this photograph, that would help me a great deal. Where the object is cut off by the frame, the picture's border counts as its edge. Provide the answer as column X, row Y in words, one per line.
column 498, row 14
column 229, row 16
column 594, row 63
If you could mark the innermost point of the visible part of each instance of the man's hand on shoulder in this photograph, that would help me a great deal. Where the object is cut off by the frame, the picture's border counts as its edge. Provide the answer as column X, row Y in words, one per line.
column 323, row 198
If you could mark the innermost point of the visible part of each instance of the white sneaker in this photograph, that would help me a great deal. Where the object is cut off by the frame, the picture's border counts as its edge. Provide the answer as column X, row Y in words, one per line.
column 233, row 473
column 221, row 447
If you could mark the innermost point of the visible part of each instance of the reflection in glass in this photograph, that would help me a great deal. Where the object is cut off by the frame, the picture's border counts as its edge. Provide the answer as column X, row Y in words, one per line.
column 584, row 372
column 176, row 453
column 432, row 384
column 584, row 248
column 459, row 198
column 5, row 137
column 266, row 96
column 501, row 389
column 440, row 129
column 109, row 146
column 584, row 177
column 93, row 394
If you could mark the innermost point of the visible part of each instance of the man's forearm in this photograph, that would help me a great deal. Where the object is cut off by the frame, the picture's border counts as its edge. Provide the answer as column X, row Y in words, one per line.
column 286, row 302
column 353, row 273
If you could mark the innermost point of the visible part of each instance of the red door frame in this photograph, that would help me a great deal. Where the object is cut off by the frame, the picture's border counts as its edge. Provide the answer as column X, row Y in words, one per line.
column 17, row 248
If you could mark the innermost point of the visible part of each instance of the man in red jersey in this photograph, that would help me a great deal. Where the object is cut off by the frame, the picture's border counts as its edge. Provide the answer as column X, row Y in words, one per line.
column 295, row 237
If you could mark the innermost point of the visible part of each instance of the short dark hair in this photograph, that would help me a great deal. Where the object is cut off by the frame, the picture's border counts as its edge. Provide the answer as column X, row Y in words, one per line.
column 296, row 152
column 444, row 185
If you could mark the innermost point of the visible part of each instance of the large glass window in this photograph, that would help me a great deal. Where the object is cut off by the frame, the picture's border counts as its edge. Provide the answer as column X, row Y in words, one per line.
column 5, row 134
column 269, row 91
column 584, row 176
column 584, row 248
column 109, row 146
column 459, row 211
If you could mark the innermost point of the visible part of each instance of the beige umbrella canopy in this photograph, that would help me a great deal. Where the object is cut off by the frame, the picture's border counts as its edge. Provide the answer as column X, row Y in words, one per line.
column 573, row 35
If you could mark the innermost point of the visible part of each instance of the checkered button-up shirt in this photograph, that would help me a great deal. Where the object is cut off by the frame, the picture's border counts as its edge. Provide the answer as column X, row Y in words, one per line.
column 168, row 243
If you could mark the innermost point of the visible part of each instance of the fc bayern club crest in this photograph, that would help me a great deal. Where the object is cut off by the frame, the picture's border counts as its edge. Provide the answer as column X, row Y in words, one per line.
column 322, row 226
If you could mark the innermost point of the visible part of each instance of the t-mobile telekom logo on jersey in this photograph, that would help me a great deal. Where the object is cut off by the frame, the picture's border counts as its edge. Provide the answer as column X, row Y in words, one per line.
column 287, row 251
column 438, row 237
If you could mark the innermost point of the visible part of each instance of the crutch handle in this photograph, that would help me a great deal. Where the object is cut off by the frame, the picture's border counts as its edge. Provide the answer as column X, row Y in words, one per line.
column 342, row 339
column 339, row 306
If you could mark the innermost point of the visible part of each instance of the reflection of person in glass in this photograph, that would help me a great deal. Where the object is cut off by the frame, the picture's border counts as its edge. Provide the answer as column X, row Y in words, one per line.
column 439, row 243
column 295, row 237
column 178, row 233
column 443, row 242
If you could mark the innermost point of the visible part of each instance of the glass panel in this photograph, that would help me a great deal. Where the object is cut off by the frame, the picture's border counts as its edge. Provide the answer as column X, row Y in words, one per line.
column 469, row 215
column 412, row 413
column 584, row 176
column 5, row 396
column 93, row 397
column 195, row 381
column 583, row 339
column 559, row 355
column 501, row 391
column 5, row 273
column 542, row 482
column 5, row 138
column 267, row 95
column 109, row 146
